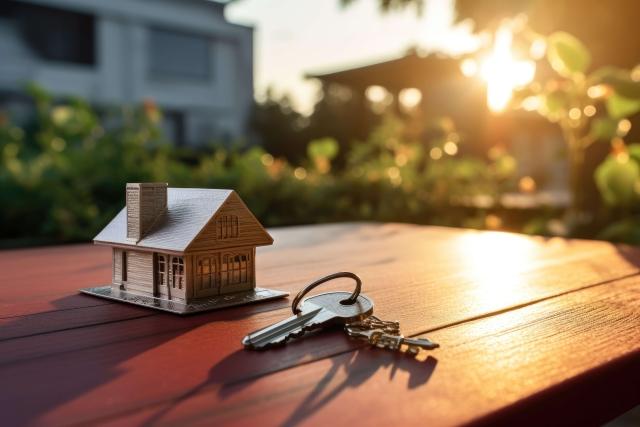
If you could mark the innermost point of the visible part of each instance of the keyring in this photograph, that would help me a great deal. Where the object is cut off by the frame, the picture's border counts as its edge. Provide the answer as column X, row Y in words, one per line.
column 352, row 299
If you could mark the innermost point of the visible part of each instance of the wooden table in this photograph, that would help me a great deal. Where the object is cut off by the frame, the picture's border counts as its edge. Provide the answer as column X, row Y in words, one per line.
column 532, row 331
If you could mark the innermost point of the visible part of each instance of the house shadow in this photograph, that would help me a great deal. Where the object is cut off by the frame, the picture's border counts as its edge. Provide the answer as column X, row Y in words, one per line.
column 348, row 370
column 45, row 370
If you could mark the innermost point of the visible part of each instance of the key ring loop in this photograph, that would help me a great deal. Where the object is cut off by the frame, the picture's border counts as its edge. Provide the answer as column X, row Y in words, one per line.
column 352, row 299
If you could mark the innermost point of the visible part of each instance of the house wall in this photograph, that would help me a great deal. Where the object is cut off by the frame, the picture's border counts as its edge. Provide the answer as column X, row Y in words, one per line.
column 209, row 108
column 139, row 272
column 219, row 233
column 117, row 268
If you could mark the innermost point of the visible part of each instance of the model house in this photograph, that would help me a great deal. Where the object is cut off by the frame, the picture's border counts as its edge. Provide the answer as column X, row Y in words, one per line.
column 183, row 54
column 187, row 246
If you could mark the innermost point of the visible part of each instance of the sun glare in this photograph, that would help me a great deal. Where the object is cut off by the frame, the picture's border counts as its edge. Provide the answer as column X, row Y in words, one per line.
column 503, row 72
column 495, row 262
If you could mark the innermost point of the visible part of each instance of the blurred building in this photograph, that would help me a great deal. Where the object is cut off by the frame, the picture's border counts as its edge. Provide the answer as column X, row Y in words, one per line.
column 183, row 54
column 424, row 88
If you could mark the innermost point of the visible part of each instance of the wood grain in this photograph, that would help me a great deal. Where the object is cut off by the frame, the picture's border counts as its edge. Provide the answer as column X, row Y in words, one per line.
column 105, row 358
column 571, row 360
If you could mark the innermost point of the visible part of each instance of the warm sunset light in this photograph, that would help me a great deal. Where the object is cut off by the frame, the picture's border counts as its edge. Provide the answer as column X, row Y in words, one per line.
column 409, row 98
column 503, row 72
column 495, row 262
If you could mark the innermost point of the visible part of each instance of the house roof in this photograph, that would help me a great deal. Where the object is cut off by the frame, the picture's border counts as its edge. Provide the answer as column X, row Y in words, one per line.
column 411, row 70
column 188, row 211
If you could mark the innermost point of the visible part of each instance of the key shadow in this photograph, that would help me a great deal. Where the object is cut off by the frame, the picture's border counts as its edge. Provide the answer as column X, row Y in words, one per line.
column 359, row 368
column 355, row 367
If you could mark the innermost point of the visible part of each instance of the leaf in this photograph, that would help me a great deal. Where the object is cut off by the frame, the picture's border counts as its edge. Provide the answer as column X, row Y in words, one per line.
column 323, row 148
column 616, row 179
column 618, row 79
column 567, row 55
column 625, row 231
column 604, row 128
column 553, row 104
column 620, row 107
column 634, row 152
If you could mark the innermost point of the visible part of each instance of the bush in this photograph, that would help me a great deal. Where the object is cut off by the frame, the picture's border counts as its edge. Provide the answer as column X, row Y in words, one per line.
column 63, row 175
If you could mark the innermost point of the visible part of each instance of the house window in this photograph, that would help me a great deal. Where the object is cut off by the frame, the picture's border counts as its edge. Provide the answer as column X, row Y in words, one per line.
column 124, row 266
column 206, row 273
column 55, row 34
column 177, row 269
column 176, row 54
column 161, row 273
column 227, row 226
column 235, row 269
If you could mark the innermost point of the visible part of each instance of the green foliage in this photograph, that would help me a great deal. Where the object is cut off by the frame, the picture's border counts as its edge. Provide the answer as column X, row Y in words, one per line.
column 591, row 107
column 325, row 148
column 567, row 55
column 619, row 80
column 63, row 175
column 620, row 107
column 618, row 178
column 603, row 128
column 626, row 230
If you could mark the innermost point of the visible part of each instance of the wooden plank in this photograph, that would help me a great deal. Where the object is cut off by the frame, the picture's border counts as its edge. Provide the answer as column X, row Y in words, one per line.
column 571, row 360
column 61, row 320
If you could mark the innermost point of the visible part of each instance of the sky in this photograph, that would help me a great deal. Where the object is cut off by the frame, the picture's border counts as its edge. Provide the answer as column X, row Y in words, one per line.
column 295, row 37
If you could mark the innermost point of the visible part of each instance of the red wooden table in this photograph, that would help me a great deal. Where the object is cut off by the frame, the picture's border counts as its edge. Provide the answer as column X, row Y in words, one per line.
column 532, row 331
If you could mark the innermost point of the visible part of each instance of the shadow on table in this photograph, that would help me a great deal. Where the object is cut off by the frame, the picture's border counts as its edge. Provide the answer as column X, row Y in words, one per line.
column 630, row 253
column 46, row 364
column 352, row 369
column 359, row 369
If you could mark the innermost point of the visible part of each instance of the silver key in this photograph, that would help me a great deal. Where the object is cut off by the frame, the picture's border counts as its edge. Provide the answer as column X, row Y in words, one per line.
column 384, row 334
column 316, row 312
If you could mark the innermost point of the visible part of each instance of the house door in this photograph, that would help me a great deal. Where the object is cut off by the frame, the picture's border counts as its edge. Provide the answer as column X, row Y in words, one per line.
column 177, row 283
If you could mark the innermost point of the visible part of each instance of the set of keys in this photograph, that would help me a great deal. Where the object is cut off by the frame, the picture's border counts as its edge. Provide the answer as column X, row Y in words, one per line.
column 352, row 311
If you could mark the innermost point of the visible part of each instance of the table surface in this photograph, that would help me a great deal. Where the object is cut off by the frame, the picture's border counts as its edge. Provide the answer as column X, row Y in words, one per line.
column 532, row 331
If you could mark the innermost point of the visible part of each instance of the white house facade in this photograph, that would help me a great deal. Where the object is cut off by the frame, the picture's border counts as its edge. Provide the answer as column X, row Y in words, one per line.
column 182, row 54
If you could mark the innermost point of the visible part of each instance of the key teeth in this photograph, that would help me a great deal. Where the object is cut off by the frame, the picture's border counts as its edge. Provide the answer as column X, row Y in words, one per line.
column 277, row 342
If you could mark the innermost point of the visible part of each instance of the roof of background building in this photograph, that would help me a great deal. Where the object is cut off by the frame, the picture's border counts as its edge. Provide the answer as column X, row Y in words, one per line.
column 412, row 70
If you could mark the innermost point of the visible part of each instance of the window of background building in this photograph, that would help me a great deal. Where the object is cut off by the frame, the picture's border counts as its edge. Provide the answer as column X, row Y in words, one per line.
column 54, row 34
column 174, row 54
column 173, row 126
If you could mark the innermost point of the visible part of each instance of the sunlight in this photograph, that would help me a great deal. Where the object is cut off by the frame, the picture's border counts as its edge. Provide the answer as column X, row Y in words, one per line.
column 409, row 98
column 503, row 72
column 494, row 262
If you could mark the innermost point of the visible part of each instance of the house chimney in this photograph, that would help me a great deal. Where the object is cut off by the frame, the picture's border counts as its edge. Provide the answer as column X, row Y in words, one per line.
column 145, row 203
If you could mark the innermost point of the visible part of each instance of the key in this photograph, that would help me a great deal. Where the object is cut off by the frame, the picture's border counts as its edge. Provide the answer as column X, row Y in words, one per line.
column 317, row 312
column 387, row 335
column 392, row 342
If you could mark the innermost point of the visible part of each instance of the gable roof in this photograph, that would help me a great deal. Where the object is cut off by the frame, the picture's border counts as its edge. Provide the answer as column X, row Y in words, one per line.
column 189, row 210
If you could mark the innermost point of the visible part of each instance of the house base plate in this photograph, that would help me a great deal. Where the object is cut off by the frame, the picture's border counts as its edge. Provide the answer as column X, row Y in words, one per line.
column 197, row 306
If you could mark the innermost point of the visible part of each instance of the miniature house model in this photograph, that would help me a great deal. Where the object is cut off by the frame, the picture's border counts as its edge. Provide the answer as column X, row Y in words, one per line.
column 183, row 249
